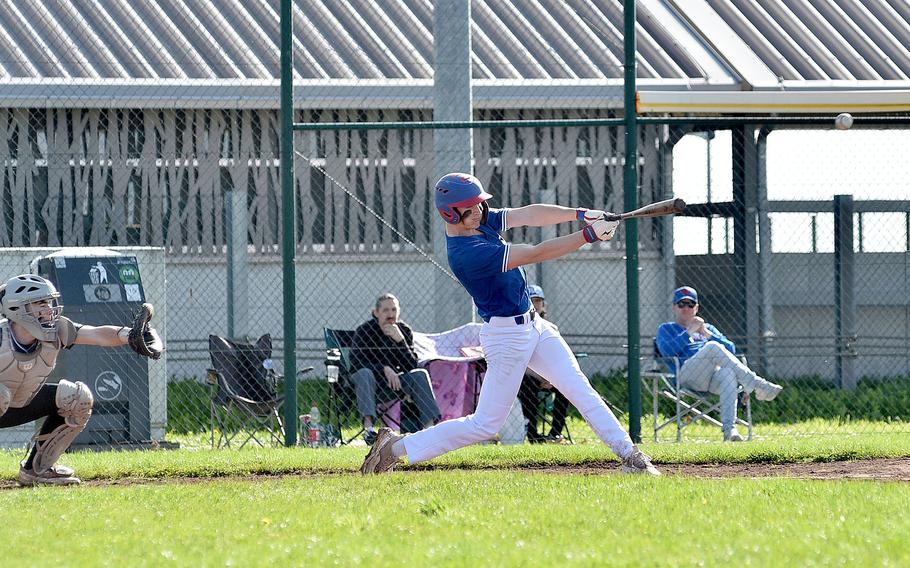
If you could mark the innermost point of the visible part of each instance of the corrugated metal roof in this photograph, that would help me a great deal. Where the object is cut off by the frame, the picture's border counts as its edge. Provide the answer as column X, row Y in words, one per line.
column 812, row 40
column 227, row 50
column 334, row 39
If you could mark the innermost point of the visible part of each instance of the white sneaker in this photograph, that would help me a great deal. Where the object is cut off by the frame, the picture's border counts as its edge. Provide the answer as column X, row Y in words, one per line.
column 56, row 475
column 733, row 436
column 639, row 462
column 767, row 391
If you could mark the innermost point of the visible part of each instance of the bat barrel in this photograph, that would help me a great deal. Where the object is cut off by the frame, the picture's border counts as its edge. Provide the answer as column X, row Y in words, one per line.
column 659, row 209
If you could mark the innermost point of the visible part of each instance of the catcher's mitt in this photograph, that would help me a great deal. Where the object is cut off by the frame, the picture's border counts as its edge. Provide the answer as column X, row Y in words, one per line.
column 143, row 339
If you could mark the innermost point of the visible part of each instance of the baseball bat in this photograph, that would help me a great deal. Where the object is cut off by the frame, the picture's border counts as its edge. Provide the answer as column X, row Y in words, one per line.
column 668, row 207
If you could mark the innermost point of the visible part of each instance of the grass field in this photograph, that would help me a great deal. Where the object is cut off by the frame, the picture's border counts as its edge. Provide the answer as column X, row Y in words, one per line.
column 489, row 505
column 464, row 518
column 823, row 428
column 321, row 513
column 276, row 461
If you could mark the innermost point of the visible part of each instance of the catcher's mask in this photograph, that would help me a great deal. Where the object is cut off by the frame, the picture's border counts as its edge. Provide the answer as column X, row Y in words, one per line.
column 32, row 302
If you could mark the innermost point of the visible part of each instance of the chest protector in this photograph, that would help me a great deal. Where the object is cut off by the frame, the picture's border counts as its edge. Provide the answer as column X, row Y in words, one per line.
column 24, row 373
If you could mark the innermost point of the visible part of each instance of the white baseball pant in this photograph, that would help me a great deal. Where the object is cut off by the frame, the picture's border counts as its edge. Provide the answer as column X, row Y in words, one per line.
column 509, row 349
column 714, row 369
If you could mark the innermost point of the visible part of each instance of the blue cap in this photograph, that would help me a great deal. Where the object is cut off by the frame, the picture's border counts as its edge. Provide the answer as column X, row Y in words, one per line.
column 535, row 291
column 685, row 293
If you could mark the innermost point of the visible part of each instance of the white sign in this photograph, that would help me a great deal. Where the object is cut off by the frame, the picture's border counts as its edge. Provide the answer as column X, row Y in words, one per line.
column 108, row 385
column 132, row 293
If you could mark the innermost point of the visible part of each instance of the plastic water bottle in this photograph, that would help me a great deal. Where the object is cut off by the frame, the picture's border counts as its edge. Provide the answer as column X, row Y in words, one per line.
column 314, row 426
column 304, row 428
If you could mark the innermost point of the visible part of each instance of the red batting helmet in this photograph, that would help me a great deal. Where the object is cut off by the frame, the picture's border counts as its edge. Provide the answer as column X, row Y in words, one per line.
column 458, row 190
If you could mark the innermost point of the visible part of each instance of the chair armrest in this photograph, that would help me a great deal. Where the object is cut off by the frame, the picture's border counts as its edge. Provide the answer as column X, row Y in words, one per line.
column 274, row 379
column 651, row 365
column 304, row 371
column 333, row 365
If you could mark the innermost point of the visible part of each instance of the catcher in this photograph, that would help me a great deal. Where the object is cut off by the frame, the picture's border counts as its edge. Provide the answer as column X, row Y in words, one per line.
column 32, row 333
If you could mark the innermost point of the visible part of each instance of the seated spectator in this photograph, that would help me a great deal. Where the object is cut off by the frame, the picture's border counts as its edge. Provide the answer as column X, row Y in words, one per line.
column 707, row 360
column 382, row 354
column 532, row 384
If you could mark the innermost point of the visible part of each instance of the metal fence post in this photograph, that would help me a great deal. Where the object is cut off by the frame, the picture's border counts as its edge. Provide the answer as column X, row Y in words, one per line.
column 544, row 269
column 672, row 135
column 453, row 150
column 288, row 238
column 630, row 190
column 844, row 298
column 237, row 265
column 766, row 314
column 745, row 189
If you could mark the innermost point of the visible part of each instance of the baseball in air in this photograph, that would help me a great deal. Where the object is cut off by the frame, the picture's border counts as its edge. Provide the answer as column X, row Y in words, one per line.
column 843, row 121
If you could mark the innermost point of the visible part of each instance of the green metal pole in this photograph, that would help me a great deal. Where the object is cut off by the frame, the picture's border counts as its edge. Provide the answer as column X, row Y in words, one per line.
column 288, row 240
column 630, row 189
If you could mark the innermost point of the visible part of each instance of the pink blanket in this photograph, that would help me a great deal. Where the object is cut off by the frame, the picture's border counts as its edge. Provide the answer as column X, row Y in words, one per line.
column 456, row 385
column 452, row 359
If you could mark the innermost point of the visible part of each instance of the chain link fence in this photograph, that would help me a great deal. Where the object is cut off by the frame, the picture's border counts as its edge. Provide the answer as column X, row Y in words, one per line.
column 823, row 309
column 119, row 156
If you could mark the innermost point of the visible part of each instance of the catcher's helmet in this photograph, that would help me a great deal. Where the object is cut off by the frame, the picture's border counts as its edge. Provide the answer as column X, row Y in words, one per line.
column 458, row 190
column 19, row 292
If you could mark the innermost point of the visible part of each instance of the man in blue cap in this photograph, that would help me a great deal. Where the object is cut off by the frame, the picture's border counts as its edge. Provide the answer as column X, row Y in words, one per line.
column 708, row 361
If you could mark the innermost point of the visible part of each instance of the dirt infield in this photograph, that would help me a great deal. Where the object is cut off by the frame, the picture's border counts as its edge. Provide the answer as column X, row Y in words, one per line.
column 879, row 469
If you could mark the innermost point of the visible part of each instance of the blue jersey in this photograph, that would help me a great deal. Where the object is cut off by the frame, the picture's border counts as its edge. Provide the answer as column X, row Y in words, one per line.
column 479, row 262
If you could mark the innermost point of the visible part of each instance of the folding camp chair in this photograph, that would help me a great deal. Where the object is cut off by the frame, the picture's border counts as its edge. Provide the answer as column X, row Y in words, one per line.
column 343, row 398
column 691, row 406
column 540, row 401
column 244, row 394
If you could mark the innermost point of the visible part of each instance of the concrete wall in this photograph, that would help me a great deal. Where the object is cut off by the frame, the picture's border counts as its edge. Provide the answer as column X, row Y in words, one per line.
column 802, row 296
column 586, row 298
column 585, row 292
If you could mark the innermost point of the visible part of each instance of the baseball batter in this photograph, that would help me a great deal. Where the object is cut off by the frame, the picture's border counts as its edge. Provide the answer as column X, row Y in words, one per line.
column 32, row 333
column 513, row 338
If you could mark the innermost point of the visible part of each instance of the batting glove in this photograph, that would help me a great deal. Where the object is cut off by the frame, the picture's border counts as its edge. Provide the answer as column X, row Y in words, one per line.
column 589, row 215
column 600, row 230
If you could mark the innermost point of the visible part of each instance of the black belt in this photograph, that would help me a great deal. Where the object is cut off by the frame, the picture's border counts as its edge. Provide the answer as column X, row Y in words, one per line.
column 525, row 318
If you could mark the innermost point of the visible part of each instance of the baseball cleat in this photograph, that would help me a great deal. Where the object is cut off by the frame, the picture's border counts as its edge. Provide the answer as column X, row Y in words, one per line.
column 56, row 475
column 639, row 462
column 380, row 458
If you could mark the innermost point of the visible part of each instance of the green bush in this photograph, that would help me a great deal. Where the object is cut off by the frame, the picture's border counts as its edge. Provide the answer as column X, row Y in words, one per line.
column 188, row 403
column 187, row 407
column 802, row 399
